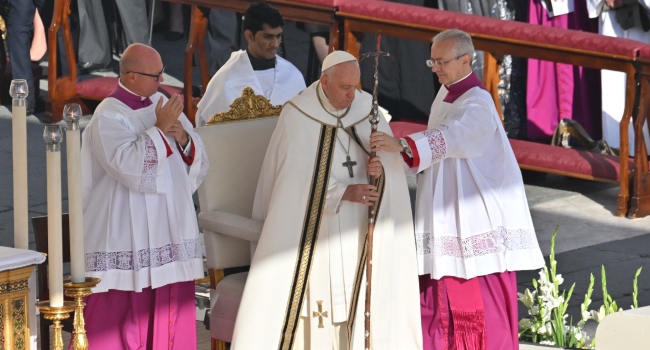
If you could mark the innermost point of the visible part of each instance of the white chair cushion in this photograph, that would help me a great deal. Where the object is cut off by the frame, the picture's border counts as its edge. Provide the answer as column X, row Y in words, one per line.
column 225, row 300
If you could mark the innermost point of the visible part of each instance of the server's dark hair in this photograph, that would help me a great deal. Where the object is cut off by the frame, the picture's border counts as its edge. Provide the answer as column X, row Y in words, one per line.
column 260, row 13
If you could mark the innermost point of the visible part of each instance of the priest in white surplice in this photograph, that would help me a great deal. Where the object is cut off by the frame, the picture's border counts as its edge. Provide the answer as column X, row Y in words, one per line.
column 141, row 162
column 473, row 227
column 258, row 67
column 629, row 26
column 306, row 285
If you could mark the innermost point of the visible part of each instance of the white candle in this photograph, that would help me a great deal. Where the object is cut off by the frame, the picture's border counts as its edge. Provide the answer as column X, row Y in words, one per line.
column 72, row 113
column 55, row 245
column 18, row 91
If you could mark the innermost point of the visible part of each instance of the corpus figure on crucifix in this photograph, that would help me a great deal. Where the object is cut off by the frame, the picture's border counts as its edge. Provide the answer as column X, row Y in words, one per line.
column 306, row 285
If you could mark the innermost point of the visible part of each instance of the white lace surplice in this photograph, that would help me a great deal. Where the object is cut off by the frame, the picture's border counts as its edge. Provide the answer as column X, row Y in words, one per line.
column 472, row 217
column 139, row 219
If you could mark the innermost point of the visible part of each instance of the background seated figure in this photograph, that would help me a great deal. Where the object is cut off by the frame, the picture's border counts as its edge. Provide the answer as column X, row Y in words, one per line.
column 259, row 67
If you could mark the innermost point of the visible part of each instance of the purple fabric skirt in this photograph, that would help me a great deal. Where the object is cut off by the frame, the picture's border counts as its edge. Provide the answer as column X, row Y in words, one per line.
column 161, row 318
column 499, row 293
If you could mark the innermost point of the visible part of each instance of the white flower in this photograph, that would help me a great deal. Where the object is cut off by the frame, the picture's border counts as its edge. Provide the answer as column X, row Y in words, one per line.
column 526, row 298
column 559, row 279
column 585, row 315
column 553, row 303
column 542, row 276
column 542, row 330
column 525, row 323
column 534, row 310
column 598, row 315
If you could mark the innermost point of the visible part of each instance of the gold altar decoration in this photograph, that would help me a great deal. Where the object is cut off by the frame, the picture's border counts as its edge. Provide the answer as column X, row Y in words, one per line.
column 56, row 314
column 248, row 106
column 78, row 291
column 14, row 311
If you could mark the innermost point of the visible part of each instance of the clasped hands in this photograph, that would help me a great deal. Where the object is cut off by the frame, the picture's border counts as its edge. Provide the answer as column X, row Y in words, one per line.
column 167, row 119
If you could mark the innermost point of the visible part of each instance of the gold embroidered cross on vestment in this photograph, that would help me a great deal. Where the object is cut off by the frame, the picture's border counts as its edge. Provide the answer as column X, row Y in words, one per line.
column 320, row 313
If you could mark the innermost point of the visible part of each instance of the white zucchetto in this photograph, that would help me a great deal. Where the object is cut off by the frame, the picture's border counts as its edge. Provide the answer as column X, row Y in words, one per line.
column 336, row 57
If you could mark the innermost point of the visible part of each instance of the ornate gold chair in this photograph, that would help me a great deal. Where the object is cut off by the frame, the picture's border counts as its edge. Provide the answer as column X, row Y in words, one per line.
column 236, row 142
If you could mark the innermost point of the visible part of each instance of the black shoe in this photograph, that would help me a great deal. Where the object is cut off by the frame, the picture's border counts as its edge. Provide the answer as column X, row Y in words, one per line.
column 173, row 36
column 89, row 68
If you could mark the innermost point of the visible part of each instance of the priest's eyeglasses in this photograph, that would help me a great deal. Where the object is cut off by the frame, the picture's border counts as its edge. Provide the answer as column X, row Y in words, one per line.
column 157, row 76
column 439, row 63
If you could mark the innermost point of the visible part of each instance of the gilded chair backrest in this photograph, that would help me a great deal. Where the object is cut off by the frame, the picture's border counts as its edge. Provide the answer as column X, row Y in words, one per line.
column 248, row 106
column 236, row 142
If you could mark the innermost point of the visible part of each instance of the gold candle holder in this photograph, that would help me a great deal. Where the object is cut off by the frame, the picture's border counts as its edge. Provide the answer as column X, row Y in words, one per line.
column 78, row 291
column 56, row 314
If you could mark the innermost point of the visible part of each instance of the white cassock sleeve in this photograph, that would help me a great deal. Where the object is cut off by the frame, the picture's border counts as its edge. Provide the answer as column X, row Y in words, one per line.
column 464, row 134
column 135, row 161
column 335, row 192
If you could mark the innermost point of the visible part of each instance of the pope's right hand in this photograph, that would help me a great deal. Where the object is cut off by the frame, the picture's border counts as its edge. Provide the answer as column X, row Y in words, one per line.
column 362, row 194
column 168, row 113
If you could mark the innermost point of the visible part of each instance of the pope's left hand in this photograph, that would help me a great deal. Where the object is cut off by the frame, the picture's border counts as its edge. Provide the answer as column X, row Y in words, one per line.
column 373, row 166
column 178, row 133
column 380, row 141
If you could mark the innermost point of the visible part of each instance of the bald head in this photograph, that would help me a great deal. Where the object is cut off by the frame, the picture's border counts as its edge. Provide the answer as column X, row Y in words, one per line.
column 136, row 57
column 138, row 67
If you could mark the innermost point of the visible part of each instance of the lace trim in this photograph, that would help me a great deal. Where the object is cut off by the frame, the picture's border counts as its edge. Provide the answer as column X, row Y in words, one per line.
column 437, row 143
column 492, row 242
column 204, row 169
column 151, row 257
column 149, row 167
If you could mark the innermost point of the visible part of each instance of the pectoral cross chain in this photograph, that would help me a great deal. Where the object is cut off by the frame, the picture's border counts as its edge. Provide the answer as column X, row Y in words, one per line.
column 349, row 163
column 320, row 313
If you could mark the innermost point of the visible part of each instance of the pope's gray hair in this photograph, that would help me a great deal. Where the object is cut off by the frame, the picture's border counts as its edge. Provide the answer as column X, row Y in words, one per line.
column 462, row 41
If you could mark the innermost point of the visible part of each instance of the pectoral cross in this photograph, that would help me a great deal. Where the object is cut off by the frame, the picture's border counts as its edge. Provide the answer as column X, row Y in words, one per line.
column 349, row 164
column 320, row 313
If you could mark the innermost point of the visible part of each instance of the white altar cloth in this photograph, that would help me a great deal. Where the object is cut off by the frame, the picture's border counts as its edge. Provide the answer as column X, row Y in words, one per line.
column 14, row 258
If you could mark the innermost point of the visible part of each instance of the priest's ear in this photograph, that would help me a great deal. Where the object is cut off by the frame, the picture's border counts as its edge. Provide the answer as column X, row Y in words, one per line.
column 466, row 59
column 250, row 37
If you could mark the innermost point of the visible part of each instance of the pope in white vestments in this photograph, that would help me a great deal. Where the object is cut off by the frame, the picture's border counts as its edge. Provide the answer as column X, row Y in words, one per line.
column 142, row 162
column 306, row 285
column 258, row 67
column 614, row 83
column 472, row 224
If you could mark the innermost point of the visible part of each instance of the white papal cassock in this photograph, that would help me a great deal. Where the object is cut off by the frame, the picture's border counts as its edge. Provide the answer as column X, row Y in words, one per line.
column 614, row 83
column 140, row 222
column 310, row 261
column 472, row 217
column 277, row 84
